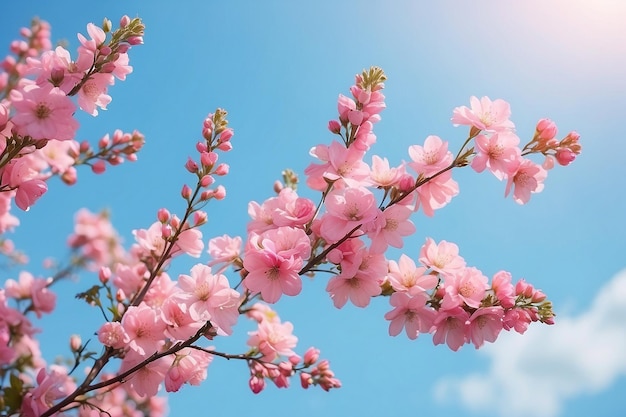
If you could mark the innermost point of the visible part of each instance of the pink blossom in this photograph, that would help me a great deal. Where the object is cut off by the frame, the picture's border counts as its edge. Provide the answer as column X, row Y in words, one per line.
column 224, row 249
column 347, row 208
column 190, row 242
column 43, row 112
column 112, row 334
column 287, row 209
column 51, row 386
column 273, row 339
column 516, row 318
column 390, row 227
column 450, row 327
column 144, row 329
column 503, row 289
column 29, row 192
column 484, row 325
column 498, row 152
column 384, row 176
column 57, row 154
column 484, row 114
column 190, row 366
column 339, row 163
column 93, row 93
column 410, row 313
column 432, row 157
column 209, row 298
column 273, row 260
column 468, row 286
column 443, row 257
column 35, row 289
column 145, row 381
column 405, row 276
column 527, row 179
column 359, row 288
column 436, row 193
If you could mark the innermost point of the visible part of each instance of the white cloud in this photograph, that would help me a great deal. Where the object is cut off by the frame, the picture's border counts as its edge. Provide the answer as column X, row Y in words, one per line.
column 535, row 373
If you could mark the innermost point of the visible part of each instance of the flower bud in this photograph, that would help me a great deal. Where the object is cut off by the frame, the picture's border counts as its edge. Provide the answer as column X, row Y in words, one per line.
column 206, row 180
column 334, row 126
column 75, row 342
column 99, row 167
column 163, row 215
column 186, row 192
column 104, row 274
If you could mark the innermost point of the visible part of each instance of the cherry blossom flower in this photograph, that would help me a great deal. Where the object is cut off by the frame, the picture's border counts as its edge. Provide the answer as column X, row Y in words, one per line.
column 430, row 158
column 498, row 152
column 390, row 227
column 144, row 329
column 468, row 286
column 273, row 339
column 442, row 257
column 450, row 327
column 484, row 114
column 484, row 325
column 209, row 298
column 410, row 313
column 43, row 112
column 346, row 209
column 527, row 179
column 405, row 276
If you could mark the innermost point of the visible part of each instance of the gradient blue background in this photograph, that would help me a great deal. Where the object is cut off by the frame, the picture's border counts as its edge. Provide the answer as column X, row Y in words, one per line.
column 277, row 67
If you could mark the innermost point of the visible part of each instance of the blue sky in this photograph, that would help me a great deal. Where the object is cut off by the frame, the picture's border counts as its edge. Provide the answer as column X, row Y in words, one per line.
column 278, row 67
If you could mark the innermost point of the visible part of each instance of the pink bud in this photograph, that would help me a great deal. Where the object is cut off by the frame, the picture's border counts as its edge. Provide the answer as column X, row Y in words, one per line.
column 311, row 356
column 538, row 296
column 207, row 195
column 334, row 126
column 69, row 177
column 226, row 135
column 4, row 116
column 305, row 380
column 57, row 75
column 163, row 215
column 548, row 163
column 186, row 192
column 278, row 186
column 175, row 221
column 220, row 192
column 200, row 218
column 225, row 146
column 206, row 180
column 75, row 342
column 135, row 40
column 565, row 156
column 104, row 274
column 191, row 166
column 222, row 169
column 124, row 21
column 99, row 167
column 546, row 129
column 122, row 48
column 256, row 384
column 166, row 231
column 208, row 158
column 102, row 143
column 201, row 147
column 105, row 50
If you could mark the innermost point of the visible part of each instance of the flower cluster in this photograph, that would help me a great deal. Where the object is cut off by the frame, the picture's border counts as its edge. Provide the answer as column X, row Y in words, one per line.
column 157, row 328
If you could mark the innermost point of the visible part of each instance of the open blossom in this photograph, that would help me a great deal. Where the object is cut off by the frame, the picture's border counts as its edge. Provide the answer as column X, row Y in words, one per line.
column 286, row 209
column 484, row 114
column 209, row 298
column 450, row 327
column 436, row 193
column 405, row 276
column 51, row 386
column 442, row 257
column 273, row 260
column 224, row 249
column 390, row 227
column 467, row 287
column 358, row 288
column 430, row 158
column 340, row 163
column 43, row 112
column 528, row 179
column 410, row 313
column 144, row 329
column 384, row 176
column 484, row 325
column 145, row 382
column 190, row 366
column 93, row 93
column 498, row 152
column 346, row 209
column 273, row 339
column 35, row 289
